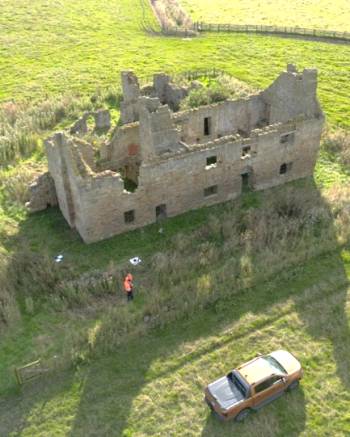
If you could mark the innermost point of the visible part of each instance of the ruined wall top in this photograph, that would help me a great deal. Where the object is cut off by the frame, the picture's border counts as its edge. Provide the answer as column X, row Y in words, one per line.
column 159, row 133
column 293, row 93
column 130, row 86
column 162, row 88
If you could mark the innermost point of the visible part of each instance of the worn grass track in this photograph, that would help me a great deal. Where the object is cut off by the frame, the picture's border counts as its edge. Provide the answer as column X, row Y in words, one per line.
column 153, row 387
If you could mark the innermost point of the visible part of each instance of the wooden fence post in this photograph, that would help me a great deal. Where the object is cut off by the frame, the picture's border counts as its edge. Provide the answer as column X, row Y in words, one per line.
column 18, row 377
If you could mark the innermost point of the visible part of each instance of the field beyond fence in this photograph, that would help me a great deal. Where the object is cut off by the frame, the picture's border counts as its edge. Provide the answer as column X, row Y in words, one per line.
column 253, row 28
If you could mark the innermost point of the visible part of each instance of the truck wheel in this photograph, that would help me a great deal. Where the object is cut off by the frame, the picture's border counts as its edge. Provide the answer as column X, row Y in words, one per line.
column 242, row 415
column 293, row 385
column 209, row 404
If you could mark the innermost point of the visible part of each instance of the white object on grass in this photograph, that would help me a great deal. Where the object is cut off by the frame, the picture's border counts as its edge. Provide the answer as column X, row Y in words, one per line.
column 58, row 258
column 135, row 261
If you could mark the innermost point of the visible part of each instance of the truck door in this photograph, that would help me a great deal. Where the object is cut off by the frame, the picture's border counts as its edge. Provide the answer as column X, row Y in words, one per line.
column 268, row 390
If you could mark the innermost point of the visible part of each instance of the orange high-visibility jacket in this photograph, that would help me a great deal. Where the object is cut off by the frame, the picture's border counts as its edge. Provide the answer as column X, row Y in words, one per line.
column 127, row 285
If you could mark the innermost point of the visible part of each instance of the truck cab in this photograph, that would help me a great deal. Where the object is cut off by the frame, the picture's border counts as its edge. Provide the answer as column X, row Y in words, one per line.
column 253, row 385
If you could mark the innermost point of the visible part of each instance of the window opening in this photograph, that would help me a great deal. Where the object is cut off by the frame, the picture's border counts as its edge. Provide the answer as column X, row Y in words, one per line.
column 286, row 167
column 129, row 216
column 243, row 133
column 287, row 138
column 210, row 191
column 211, row 161
column 246, row 151
column 283, row 169
column 264, row 385
column 207, row 123
column 130, row 175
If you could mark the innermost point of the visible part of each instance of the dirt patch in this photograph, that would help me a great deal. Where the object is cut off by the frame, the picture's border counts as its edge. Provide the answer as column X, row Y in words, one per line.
column 171, row 15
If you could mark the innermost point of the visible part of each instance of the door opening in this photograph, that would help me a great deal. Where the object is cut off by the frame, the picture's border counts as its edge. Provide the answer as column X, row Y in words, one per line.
column 161, row 213
column 246, row 182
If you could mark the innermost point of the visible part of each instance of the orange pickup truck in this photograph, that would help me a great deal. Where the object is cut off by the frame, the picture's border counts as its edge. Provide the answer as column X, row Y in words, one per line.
column 253, row 385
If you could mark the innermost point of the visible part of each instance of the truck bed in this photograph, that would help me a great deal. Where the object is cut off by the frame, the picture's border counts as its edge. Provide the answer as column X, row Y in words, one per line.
column 225, row 392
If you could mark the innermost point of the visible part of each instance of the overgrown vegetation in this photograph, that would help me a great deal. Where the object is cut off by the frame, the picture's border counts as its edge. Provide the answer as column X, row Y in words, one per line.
column 171, row 14
column 337, row 145
column 23, row 126
column 216, row 90
column 243, row 244
column 270, row 270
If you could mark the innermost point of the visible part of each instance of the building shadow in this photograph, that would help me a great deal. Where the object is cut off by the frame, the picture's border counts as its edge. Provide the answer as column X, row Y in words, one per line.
column 18, row 408
column 284, row 417
column 127, row 377
column 111, row 383
column 328, row 321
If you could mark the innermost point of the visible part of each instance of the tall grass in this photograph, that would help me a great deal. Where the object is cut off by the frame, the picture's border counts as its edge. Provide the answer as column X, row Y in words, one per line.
column 23, row 126
column 9, row 310
column 231, row 253
column 337, row 144
column 14, row 185
column 171, row 14
column 215, row 90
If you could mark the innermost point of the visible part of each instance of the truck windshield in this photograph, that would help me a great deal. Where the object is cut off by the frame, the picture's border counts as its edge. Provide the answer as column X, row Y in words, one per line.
column 274, row 364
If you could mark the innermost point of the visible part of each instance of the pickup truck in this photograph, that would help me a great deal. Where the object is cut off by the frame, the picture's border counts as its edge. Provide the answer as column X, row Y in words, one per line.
column 253, row 385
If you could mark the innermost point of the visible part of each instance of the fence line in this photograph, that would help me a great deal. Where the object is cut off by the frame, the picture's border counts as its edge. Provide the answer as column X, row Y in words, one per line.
column 189, row 75
column 286, row 30
column 198, row 27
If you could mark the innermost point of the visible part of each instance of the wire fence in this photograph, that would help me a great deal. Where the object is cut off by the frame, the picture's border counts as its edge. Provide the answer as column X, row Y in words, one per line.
column 188, row 75
column 281, row 30
column 200, row 26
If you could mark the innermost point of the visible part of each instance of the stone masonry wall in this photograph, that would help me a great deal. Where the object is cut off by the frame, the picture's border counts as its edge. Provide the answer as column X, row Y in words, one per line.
column 224, row 118
column 42, row 193
column 190, row 159
column 179, row 183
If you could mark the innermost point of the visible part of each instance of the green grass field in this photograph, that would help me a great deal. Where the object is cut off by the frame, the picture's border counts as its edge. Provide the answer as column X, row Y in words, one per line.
column 311, row 14
column 48, row 48
column 152, row 385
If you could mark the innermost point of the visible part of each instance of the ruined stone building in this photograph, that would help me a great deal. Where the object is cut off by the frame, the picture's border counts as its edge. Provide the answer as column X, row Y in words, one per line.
column 161, row 162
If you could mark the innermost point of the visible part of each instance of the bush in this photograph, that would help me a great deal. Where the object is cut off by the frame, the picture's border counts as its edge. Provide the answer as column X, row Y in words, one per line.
column 23, row 126
column 337, row 143
column 216, row 90
column 15, row 181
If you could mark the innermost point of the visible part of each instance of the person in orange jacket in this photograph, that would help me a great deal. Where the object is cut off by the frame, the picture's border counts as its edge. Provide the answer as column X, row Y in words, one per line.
column 128, row 287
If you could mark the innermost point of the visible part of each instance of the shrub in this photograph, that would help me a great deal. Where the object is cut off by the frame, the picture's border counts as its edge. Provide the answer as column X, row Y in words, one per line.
column 216, row 90
column 23, row 126
column 337, row 143
column 14, row 183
